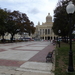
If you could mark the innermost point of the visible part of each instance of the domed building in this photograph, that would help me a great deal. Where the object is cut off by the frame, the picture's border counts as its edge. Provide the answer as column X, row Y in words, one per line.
column 48, row 18
column 45, row 31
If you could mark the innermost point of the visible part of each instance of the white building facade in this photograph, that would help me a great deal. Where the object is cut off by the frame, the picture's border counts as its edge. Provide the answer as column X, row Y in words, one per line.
column 45, row 31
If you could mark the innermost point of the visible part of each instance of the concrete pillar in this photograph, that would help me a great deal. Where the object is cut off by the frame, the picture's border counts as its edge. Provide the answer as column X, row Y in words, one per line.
column 47, row 31
column 44, row 34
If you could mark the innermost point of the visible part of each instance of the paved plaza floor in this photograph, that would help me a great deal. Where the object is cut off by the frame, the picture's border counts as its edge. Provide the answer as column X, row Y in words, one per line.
column 25, row 58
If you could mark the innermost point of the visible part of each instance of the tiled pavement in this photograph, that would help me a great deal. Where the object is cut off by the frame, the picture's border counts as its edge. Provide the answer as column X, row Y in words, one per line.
column 25, row 58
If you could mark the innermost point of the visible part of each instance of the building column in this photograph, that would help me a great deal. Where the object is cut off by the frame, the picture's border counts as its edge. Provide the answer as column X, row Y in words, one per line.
column 44, row 34
column 47, row 31
column 41, row 31
column 50, row 31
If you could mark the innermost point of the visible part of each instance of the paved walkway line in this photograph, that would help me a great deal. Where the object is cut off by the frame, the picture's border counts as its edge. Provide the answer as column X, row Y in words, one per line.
column 41, row 56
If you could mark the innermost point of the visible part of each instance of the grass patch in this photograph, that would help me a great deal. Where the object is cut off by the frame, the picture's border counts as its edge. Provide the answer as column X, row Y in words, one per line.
column 62, row 59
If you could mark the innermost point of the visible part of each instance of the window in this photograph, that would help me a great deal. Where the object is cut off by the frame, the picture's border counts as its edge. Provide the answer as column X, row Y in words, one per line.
column 45, row 31
column 40, row 31
column 48, row 31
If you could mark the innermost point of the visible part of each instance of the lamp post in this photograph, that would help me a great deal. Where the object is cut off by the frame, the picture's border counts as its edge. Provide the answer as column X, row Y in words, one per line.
column 70, row 10
column 59, row 31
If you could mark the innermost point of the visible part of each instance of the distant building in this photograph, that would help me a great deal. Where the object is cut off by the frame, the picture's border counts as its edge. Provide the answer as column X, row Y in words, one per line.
column 16, row 36
column 45, row 31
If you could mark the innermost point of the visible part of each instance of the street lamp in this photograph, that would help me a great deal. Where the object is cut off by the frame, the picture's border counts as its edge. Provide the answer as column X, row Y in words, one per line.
column 59, row 31
column 70, row 10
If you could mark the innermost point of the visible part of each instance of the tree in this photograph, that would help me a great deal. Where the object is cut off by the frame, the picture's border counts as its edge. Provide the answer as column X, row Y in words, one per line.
column 23, row 20
column 3, row 21
column 32, row 27
column 14, row 24
column 18, row 23
column 61, row 18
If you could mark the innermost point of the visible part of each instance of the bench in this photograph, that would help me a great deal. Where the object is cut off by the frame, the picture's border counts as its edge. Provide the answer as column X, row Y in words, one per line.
column 49, row 57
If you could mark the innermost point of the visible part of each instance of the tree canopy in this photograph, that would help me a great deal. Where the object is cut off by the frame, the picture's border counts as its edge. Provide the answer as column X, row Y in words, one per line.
column 3, row 19
column 15, row 22
column 61, row 18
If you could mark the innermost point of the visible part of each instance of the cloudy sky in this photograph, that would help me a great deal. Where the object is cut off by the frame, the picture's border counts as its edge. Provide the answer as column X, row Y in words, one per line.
column 36, row 10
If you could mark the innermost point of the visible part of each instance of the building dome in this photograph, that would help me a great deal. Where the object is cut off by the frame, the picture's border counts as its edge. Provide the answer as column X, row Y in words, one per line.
column 38, row 23
column 48, row 18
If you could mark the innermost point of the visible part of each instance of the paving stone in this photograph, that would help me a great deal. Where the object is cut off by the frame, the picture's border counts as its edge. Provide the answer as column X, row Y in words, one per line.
column 3, row 70
column 5, row 74
column 34, row 73
column 2, row 74
column 12, row 63
column 18, row 73
column 41, row 55
column 30, row 56
column 36, row 67
column 17, row 55
column 8, row 67
column 11, row 72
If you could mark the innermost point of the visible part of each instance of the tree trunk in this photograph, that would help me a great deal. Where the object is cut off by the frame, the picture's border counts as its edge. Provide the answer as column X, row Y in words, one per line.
column 67, row 39
column 12, row 35
column 3, row 40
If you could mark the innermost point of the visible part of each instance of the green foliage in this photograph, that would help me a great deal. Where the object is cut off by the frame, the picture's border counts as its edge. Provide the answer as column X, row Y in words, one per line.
column 30, row 27
column 3, row 18
column 15, row 22
column 61, row 19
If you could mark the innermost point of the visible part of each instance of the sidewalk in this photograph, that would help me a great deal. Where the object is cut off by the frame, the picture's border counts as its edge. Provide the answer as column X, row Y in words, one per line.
column 25, row 58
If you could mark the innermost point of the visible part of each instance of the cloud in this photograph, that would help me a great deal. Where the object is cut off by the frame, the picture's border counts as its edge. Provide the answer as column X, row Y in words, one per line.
column 36, row 10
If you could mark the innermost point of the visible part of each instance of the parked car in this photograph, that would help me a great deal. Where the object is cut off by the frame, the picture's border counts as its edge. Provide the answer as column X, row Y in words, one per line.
column 73, row 39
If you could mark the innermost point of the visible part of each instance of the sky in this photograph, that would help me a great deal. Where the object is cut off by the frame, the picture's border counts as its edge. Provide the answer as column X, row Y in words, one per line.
column 36, row 10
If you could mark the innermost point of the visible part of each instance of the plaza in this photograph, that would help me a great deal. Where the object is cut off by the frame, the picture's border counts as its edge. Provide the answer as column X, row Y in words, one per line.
column 25, row 58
